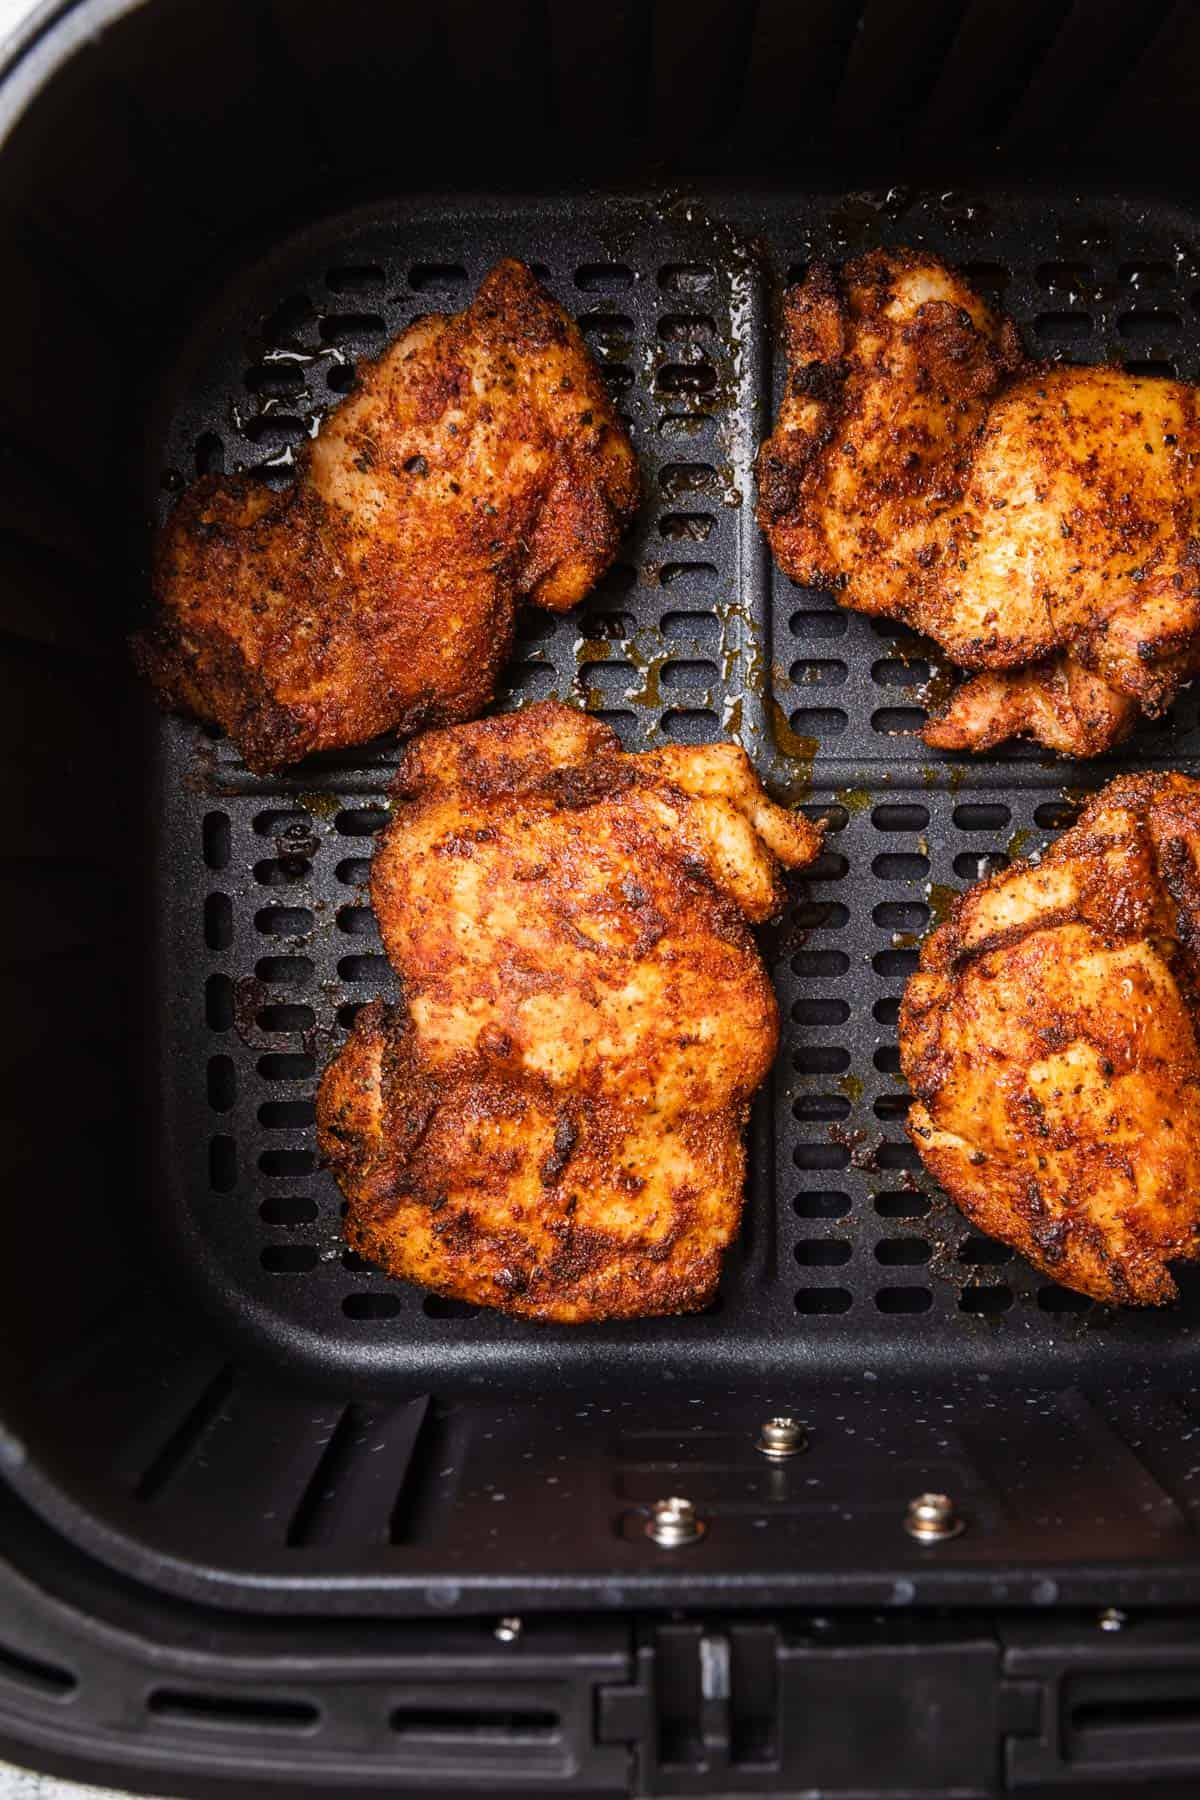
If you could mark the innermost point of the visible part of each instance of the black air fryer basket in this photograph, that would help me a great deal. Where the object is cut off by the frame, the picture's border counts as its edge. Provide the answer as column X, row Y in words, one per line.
column 272, row 1522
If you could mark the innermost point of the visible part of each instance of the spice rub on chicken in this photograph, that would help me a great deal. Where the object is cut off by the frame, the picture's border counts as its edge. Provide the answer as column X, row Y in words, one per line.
column 1041, row 522
column 552, row 1122
column 479, row 461
column 1049, row 1037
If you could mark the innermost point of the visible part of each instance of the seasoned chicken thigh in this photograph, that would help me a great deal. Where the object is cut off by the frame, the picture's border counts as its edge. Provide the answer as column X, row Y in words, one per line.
column 1039, row 521
column 1049, row 1037
column 552, row 1123
column 478, row 461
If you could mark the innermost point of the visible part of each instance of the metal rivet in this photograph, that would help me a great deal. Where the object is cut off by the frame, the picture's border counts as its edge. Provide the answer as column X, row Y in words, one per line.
column 674, row 1522
column 508, row 1629
column 782, row 1437
column 1113, row 1619
column 931, row 1519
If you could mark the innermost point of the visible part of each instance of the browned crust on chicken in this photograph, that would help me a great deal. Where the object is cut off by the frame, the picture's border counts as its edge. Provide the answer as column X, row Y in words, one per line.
column 1049, row 1037
column 1040, row 521
column 552, row 1124
column 478, row 461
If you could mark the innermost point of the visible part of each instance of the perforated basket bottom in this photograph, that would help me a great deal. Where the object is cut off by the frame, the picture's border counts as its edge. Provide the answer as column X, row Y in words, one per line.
column 266, row 943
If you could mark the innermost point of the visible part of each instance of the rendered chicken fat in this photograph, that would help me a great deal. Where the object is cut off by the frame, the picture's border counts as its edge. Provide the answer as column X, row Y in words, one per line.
column 554, row 1124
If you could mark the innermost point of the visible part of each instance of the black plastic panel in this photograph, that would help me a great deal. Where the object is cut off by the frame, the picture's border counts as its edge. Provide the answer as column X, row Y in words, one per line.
column 267, row 943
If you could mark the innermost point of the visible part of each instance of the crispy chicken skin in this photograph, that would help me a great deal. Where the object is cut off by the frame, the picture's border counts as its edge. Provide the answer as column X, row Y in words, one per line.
column 552, row 1124
column 479, row 460
column 1038, row 521
column 1049, row 1037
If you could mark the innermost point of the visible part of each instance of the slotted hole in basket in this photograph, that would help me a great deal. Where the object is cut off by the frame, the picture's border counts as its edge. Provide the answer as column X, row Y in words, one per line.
column 989, row 1300
column 819, row 721
column 356, row 921
column 831, row 865
column 218, row 921
column 900, row 672
column 686, row 328
column 679, row 480
column 686, row 278
column 286, row 1164
column 286, row 1115
column 902, row 1252
column 823, row 1253
column 222, row 1164
column 699, row 629
column 904, row 1300
column 690, row 725
column 897, row 1156
column 694, row 574
column 901, row 915
column 894, row 962
column 1063, row 1300
column 819, row 625
column 222, row 1083
column 821, row 1012
column 821, row 1107
column 288, row 1209
column 820, row 1300
column 284, row 921
column 901, row 1203
column 822, row 1204
column 284, row 1017
column 284, row 1067
column 1056, row 815
column 821, row 1059
column 1063, row 327
column 984, row 1251
column 435, row 1306
column 350, row 328
column 976, row 865
column 1148, row 324
column 603, row 277
column 898, row 721
column 285, row 971
column 696, row 380
column 1065, row 277
column 819, row 672
column 361, row 821
column 982, row 816
column 821, row 915
column 289, row 1259
column 901, row 865
column 218, row 1003
column 893, row 816
column 436, row 278
column 821, row 1156
column 282, row 871
column 371, row 1306
column 216, row 840
column 820, row 964
column 355, row 278
column 687, row 674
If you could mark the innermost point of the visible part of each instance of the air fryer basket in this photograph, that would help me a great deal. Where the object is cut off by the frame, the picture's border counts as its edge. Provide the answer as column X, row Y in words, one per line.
column 212, row 1412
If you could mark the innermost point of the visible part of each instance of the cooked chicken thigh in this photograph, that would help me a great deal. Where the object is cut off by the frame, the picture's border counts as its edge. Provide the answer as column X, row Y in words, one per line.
column 479, row 460
column 1050, row 1039
column 1041, row 522
column 552, row 1125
